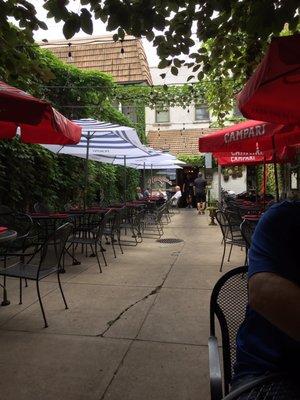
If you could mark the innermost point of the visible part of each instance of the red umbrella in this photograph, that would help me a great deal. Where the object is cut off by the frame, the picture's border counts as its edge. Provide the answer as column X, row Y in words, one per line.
column 247, row 135
column 19, row 106
column 283, row 155
column 273, row 91
column 39, row 122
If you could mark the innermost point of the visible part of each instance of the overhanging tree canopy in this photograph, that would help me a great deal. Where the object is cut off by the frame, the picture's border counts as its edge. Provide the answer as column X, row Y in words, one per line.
column 240, row 27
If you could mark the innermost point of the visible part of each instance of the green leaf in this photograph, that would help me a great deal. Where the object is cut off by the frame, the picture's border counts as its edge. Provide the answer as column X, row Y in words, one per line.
column 164, row 64
column 71, row 27
column 86, row 21
column 200, row 75
column 150, row 36
column 177, row 62
column 42, row 25
column 174, row 71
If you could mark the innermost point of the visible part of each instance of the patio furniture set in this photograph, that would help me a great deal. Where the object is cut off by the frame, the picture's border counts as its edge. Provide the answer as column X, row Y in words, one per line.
column 237, row 220
column 43, row 240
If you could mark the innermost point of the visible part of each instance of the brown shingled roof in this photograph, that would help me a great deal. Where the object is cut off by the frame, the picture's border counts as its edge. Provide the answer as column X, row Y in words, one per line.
column 177, row 141
column 103, row 54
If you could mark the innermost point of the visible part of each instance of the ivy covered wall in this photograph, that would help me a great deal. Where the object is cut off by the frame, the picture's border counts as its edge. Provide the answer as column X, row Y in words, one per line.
column 29, row 173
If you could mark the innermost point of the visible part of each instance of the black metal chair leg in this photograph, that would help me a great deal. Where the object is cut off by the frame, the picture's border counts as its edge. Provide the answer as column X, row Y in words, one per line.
column 103, row 256
column 21, row 291
column 113, row 246
column 5, row 301
column 224, row 250
column 61, row 291
column 119, row 242
column 97, row 256
column 246, row 257
column 41, row 304
column 229, row 255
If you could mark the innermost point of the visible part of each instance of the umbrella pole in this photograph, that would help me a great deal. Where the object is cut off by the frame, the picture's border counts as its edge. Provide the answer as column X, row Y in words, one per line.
column 265, row 184
column 151, row 179
column 219, row 184
column 86, row 171
column 125, row 180
column 144, row 177
column 275, row 169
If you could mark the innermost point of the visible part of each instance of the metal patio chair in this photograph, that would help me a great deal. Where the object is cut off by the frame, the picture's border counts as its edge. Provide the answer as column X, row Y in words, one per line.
column 247, row 229
column 112, row 230
column 231, row 234
column 227, row 306
column 92, row 237
column 46, row 260
column 131, row 221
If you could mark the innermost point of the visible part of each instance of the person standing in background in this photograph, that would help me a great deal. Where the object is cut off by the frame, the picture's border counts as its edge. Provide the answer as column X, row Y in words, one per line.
column 188, row 191
column 200, row 193
column 139, row 194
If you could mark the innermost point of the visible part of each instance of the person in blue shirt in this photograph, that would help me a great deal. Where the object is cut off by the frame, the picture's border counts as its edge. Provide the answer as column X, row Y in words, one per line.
column 268, row 341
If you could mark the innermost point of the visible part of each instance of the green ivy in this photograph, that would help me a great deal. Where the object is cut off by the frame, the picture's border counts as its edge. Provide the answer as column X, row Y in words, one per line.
column 29, row 173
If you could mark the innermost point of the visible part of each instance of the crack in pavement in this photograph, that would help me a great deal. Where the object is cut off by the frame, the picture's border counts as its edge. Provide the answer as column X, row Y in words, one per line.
column 154, row 291
column 113, row 321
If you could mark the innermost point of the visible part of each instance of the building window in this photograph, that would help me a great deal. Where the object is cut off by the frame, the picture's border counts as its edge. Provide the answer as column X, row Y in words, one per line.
column 162, row 115
column 201, row 113
column 130, row 112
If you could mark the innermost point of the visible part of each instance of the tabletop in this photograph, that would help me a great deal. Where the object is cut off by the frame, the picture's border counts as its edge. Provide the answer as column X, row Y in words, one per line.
column 49, row 216
column 252, row 217
column 7, row 236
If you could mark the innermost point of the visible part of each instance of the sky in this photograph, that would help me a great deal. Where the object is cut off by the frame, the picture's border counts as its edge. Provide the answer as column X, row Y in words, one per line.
column 54, row 31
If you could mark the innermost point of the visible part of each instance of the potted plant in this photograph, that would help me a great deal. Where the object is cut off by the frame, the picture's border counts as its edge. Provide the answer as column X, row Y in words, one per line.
column 212, row 209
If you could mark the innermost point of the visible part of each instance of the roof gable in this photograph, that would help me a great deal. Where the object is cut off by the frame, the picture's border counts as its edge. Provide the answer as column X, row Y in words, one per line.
column 103, row 54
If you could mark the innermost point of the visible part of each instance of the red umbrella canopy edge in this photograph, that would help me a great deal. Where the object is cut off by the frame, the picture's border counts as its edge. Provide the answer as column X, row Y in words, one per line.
column 249, row 135
column 283, row 155
column 54, row 128
column 38, row 120
column 272, row 93
column 19, row 106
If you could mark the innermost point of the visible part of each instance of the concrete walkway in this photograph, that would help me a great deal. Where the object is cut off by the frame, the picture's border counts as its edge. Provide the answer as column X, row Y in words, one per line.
column 138, row 331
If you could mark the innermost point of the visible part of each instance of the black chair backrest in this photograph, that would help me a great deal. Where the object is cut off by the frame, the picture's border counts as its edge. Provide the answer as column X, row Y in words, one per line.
column 40, row 208
column 19, row 222
column 106, row 221
column 52, row 250
column 234, row 219
column 228, row 304
column 247, row 229
column 224, row 223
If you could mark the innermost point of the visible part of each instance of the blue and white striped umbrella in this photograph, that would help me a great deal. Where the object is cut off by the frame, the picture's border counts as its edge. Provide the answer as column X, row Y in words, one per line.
column 150, row 158
column 103, row 138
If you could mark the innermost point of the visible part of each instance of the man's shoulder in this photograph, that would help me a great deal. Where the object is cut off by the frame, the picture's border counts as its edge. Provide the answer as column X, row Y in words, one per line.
column 283, row 209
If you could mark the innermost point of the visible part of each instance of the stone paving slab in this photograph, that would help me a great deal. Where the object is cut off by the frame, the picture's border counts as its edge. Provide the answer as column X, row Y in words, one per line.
column 179, row 316
column 55, row 367
column 29, row 298
column 154, row 371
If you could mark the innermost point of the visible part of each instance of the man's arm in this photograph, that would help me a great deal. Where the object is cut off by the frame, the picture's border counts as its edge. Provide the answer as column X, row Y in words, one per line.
column 278, row 300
